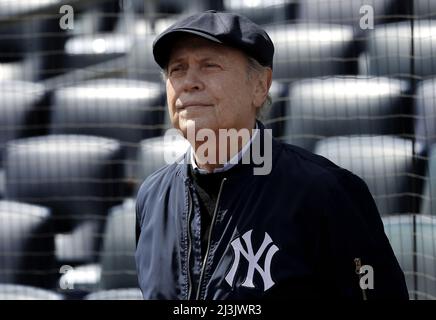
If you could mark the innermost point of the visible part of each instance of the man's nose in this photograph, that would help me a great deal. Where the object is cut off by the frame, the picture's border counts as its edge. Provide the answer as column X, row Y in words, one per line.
column 192, row 81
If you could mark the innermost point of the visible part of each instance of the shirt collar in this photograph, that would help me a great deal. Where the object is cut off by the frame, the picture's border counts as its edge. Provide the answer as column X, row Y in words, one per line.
column 231, row 163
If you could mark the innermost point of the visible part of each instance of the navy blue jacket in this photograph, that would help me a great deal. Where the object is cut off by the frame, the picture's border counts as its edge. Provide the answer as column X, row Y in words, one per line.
column 299, row 232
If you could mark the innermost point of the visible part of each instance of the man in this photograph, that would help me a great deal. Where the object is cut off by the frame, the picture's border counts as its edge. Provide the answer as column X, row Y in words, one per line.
column 210, row 229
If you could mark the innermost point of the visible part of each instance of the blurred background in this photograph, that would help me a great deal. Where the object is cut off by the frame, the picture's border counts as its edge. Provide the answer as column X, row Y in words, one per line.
column 82, row 118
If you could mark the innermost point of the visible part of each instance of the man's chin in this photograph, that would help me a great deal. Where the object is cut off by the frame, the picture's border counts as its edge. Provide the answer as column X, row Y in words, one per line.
column 196, row 124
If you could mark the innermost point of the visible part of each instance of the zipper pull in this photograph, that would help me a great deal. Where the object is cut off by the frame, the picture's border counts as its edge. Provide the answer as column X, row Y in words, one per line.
column 358, row 264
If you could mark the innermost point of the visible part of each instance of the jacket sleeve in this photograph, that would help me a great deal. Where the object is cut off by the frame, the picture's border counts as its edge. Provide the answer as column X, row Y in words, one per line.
column 355, row 231
column 139, row 208
column 137, row 224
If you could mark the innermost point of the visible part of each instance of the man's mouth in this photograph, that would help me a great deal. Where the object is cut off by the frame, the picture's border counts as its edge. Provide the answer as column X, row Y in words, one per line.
column 193, row 104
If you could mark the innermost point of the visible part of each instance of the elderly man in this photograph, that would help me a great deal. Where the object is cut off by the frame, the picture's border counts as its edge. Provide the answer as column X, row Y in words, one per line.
column 209, row 227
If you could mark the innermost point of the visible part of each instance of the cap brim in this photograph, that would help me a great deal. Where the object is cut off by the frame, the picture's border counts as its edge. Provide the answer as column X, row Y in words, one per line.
column 162, row 45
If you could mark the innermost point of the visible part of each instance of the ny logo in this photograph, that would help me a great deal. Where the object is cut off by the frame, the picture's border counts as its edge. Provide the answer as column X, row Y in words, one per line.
column 253, row 259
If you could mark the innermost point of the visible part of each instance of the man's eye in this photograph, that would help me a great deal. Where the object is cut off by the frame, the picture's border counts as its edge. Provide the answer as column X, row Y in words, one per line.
column 175, row 69
column 212, row 65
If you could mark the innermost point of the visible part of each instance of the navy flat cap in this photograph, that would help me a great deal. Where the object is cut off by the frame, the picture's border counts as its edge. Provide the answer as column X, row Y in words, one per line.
column 228, row 29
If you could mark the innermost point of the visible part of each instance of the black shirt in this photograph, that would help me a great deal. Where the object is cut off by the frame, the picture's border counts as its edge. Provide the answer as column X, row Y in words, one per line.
column 207, row 187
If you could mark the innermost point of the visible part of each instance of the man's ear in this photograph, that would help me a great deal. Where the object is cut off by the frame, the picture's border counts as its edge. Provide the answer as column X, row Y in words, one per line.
column 263, row 83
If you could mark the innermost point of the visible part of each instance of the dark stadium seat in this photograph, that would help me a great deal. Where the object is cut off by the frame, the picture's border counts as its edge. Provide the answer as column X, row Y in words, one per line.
column 424, row 9
column 126, row 110
column 155, row 153
column 398, row 229
column 174, row 7
column 20, row 106
column 15, row 44
column 79, row 177
column 85, row 50
column 104, row 37
column 425, row 121
column 413, row 241
column 275, row 116
column 97, row 16
column 116, row 294
column 140, row 63
column 390, row 49
column 93, row 47
column 26, row 30
column 118, row 268
column 263, row 12
column 310, row 50
column 428, row 203
column 385, row 163
column 425, row 242
column 335, row 106
column 26, row 245
column 19, row 292
column 26, row 69
column 348, row 11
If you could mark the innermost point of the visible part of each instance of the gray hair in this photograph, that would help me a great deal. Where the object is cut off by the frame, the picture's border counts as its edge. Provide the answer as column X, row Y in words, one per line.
column 255, row 66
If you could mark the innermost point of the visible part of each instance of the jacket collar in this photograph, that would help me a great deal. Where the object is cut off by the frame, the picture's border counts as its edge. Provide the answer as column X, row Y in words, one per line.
column 241, row 169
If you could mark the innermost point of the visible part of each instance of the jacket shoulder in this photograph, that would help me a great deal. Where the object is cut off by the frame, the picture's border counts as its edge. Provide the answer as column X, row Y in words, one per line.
column 154, row 185
column 307, row 167
column 157, row 178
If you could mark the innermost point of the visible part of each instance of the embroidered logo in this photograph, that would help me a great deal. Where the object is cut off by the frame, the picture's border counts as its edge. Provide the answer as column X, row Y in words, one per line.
column 253, row 259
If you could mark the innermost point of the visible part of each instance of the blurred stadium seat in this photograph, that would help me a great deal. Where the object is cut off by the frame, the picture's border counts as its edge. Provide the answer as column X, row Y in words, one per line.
column 116, row 294
column 87, row 50
column 26, row 245
column 413, row 240
column 348, row 11
column 274, row 116
column 425, row 121
column 385, row 163
column 428, row 204
column 24, row 70
column 311, row 50
column 336, row 106
column 140, row 62
column 398, row 229
column 118, row 268
column 19, row 292
column 26, row 31
column 97, row 16
column 122, row 109
column 154, row 152
column 424, row 9
column 390, row 50
column 21, row 114
column 79, row 177
column 266, row 12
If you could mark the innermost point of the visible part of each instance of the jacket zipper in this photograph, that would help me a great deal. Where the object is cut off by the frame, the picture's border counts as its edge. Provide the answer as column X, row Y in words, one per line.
column 208, row 240
column 358, row 264
column 189, row 245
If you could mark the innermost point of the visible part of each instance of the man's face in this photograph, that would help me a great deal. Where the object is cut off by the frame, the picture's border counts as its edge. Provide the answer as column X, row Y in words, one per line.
column 208, row 86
